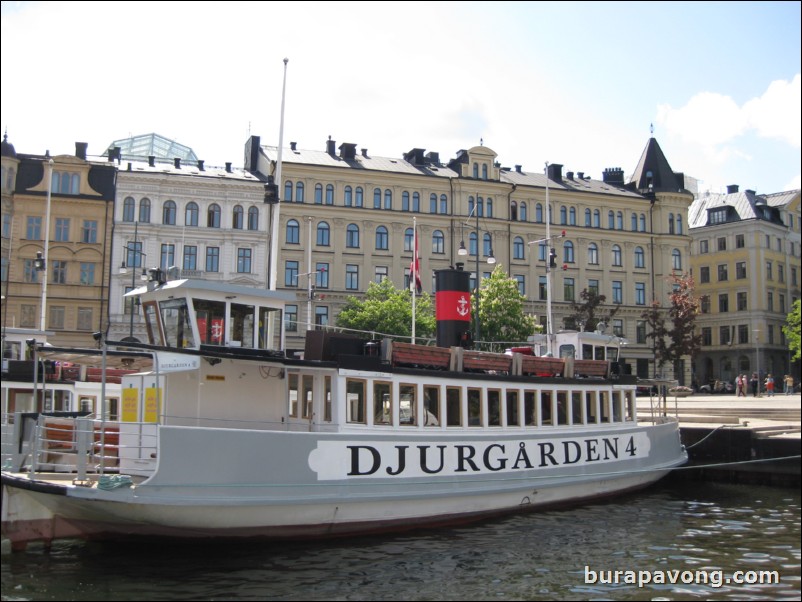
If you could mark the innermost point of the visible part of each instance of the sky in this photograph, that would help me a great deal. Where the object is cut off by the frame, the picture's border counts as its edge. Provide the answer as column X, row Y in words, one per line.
column 579, row 84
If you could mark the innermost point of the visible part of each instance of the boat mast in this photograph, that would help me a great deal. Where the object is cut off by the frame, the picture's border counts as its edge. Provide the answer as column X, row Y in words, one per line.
column 549, row 325
column 277, row 211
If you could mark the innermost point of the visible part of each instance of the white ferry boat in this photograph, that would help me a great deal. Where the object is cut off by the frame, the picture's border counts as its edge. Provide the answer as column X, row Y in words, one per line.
column 226, row 435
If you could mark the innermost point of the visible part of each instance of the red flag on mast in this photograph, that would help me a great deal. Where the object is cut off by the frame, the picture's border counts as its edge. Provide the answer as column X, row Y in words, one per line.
column 414, row 268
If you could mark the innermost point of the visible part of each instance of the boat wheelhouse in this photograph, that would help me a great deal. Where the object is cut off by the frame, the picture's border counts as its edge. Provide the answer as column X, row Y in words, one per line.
column 226, row 435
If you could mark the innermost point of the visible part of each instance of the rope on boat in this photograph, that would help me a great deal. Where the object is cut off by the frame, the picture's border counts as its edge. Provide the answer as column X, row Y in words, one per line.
column 706, row 436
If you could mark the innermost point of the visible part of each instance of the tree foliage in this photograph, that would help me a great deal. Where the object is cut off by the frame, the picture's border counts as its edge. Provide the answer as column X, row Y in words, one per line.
column 501, row 311
column 791, row 330
column 387, row 310
column 590, row 313
column 675, row 337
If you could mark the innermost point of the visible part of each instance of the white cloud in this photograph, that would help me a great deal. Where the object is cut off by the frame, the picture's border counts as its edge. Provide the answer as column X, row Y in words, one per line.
column 776, row 114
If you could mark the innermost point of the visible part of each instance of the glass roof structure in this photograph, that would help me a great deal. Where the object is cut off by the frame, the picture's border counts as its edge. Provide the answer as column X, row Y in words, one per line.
column 146, row 145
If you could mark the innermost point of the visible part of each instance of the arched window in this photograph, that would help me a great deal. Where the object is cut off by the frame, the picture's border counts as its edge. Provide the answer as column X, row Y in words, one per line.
column 541, row 251
column 640, row 258
column 473, row 244
column 568, row 252
column 523, row 211
column 671, row 223
column 348, row 196
column 293, row 232
column 352, row 236
column 323, row 232
column 287, row 191
column 588, row 223
column 634, row 225
column 433, row 203
column 144, row 211
column 480, row 206
column 617, row 259
column 487, row 245
column 359, row 200
column 679, row 224
column 514, row 211
column 563, row 215
column 388, row 199
column 377, row 198
column 318, row 194
column 596, row 218
column 572, row 216
column 129, row 209
column 676, row 259
column 476, row 170
column 593, row 254
column 168, row 213
column 405, row 201
column 518, row 247
column 484, row 171
column 191, row 214
column 213, row 216
column 438, row 242
column 489, row 207
column 416, row 202
column 539, row 213
column 619, row 220
column 611, row 220
column 471, row 203
column 237, row 217
column 329, row 194
column 443, row 204
column 253, row 218
column 299, row 192
column 382, row 239
column 408, row 239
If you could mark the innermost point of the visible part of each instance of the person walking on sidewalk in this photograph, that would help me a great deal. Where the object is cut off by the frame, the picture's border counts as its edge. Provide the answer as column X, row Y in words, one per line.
column 770, row 385
column 739, row 385
column 789, row 384
column 754, row 382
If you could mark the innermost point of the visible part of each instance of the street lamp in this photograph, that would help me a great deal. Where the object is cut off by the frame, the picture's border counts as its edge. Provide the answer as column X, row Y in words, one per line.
column 491, row 259
column 133, row 262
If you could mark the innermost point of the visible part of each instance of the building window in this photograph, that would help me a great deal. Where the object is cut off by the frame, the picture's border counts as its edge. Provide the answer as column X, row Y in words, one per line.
column 522, row 212
column 287, row 191
column 542, row 288
column 352, row 236
column 318, row 194
column 237, row 218
column 743, row 334
column 539, row 213
column 27, row 316
column 190, row 257
column 640, row 257
column 640, row 293
column 322, row 276
column 634, row 222
column 588, row 222
column 382, row 238
column 191, row 214
column 377, row 198
column 618, row 291
column 593, row 286
column 703, row 247
column 213, row 216
column 168, row 213
column 572, row 216
column 618, row 327
column 380, row 273
column 144, row 211
column 348, row 196
column 521, row 284
column 212, row 259
column 563, row 215
column 640, row 332
column 253, row 218
column 723, row 275
column 291, row 318
column 87, row 273
column 724, row 335
column 321, row 315
column 740, row 270
column 329, row 194
column 740, row 243
column 723, row 303
column 291, row 273
column 769, row 274
column 359, row 200
column 518, row 248
column 62, row 229
column 780, row 272
column 66, row 183
column 568, row 252
column 438, row 242
column 704, row 274
column 129, row 209
column 405, row 201
column 167, row 256
column 408, row 240
column 352, row 277
column 244, row 261
column 740, row 300
column 593, row 254
column 388, row 199
column 596, row 218
column 617, row 257
column 89, row 231
column 707, row 336
column 59, row 272
column 293, row 232
column 704, row 302
column 642, row 221
column 84, row 318
column 610, row 220
column 56, row 319
column 717, row 216
column 568, row 289
column 323, row 234
column 676, row 259
column 33, row 231
column 722, row 244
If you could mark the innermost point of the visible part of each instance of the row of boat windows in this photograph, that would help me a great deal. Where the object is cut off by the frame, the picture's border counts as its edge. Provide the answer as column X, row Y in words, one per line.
column 382, row 403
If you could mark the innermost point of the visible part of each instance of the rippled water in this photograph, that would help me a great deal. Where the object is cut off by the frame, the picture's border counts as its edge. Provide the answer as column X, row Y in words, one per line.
column 686, row 527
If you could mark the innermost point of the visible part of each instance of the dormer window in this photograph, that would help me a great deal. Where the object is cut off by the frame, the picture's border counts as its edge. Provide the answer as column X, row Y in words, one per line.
column 718, row 216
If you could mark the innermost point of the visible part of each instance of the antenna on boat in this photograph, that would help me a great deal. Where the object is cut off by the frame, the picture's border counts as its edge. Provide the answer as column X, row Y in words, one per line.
column 277, row 208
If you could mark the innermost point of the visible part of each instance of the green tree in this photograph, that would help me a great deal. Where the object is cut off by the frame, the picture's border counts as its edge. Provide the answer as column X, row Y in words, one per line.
column 676, row 337
column 791, row 330
column 387, row 310
column 501, row 311
column 589, row 313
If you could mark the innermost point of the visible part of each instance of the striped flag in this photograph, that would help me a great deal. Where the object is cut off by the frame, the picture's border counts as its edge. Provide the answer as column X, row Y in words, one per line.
column 414, row 268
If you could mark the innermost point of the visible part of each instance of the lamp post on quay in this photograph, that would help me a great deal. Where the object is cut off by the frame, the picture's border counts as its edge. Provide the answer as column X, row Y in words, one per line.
column 133, row 254
column 462, row 252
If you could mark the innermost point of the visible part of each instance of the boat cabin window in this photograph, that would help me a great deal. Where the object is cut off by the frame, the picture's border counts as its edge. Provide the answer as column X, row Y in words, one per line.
column 591, row 408
column 327, row 402
column 431, row 406
column 453, row 406
column 612, row 354
column 576, row 407
column 176, row 324
column 604, row 402
column 242, row 321
column 292, row 395
column 629, row 406
column 211, row 318
column 382, row 407
column 355, row 401
column 474, row 407
column 513, row 415
column 587, row 351
column 308, row 395
column 493, row 407
column 562, row 408
column 152, row 324
column 530, row 408
column 618, row 403
column 567, row 351
column 270, row 326
column 407, row 414
column 546, row 408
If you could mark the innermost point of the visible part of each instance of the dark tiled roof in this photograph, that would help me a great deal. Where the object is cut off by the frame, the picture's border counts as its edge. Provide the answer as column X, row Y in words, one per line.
column 653, row 173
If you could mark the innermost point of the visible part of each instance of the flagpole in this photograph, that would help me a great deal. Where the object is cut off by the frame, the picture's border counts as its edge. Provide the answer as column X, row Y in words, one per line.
column 413, row 275
column 549, row 326
column 277, row 211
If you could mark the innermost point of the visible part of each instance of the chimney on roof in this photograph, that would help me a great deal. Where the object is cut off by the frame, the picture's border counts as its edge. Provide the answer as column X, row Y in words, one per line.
column 293, row 145
column 518, row 168
column 732, row 188
column 80, row 150
column 752, row 192
column 348, row 151
column 200, row 164
column 580, row 175
column 331, row 146
column 177, row 162
column 228, row 166
column 365, row 153
column 152, row 160
column 415, row 156
column 433, row 157
column 556, row 172
column 613, row 176
column 569, row 175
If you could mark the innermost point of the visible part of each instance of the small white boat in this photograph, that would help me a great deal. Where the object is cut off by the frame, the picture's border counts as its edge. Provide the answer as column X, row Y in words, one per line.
column 228, row 436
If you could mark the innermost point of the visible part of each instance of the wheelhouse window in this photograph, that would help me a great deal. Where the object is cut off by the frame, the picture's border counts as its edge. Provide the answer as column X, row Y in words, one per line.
column 355, row 401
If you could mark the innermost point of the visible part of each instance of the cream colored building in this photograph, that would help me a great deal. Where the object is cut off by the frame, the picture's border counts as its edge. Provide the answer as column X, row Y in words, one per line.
column 746, row 264
column 346, row 218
